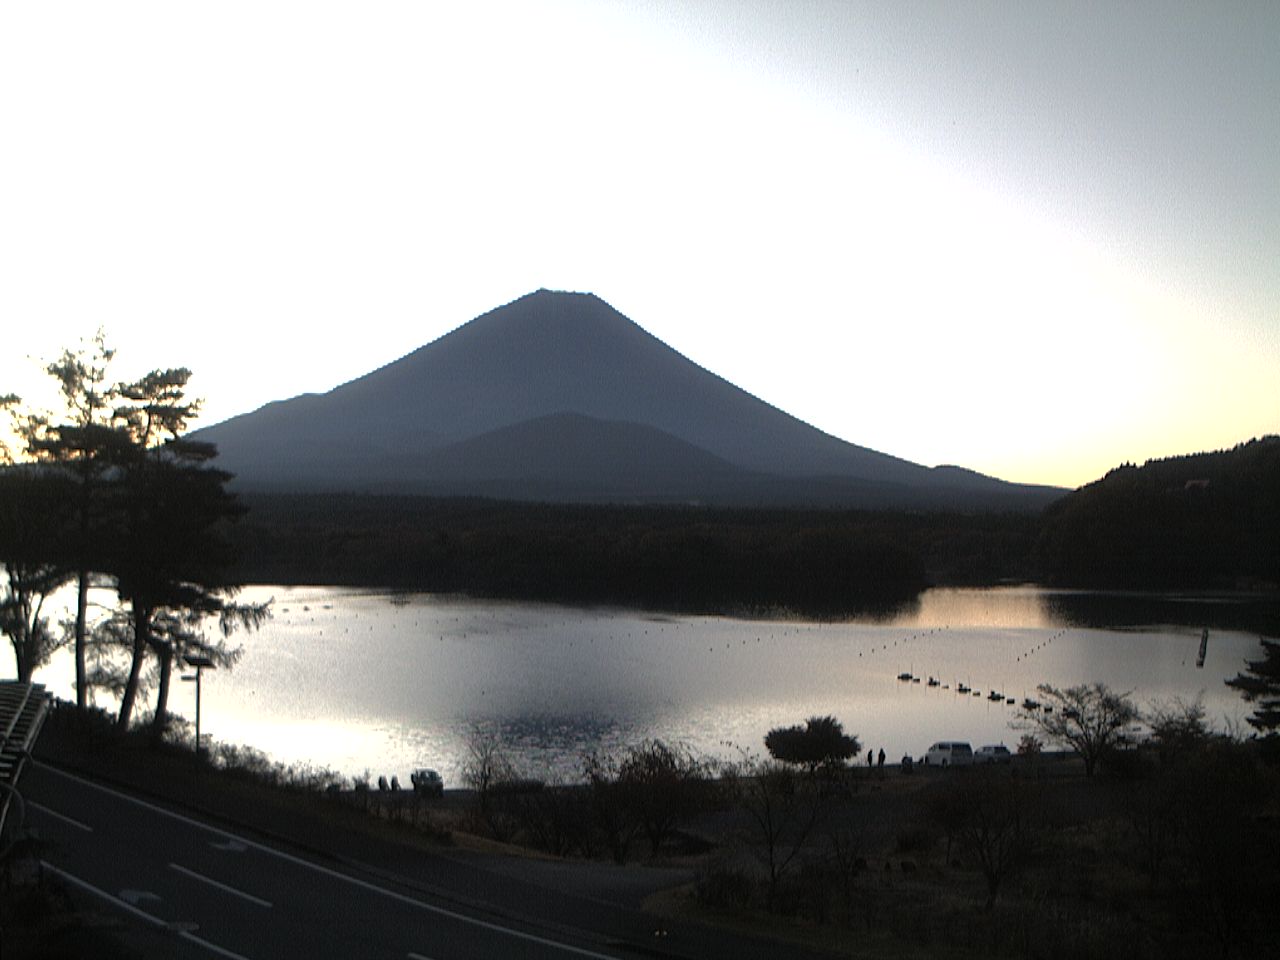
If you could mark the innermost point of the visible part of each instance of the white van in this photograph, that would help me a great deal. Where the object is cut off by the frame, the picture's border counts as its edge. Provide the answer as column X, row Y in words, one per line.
column 949, row 753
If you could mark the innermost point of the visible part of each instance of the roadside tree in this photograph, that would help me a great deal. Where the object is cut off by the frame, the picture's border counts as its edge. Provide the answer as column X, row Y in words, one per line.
column 85, row 445
column 820, row 743
column 649, row 789
column 1178, row 726
column 988, row 816
column 1091, row 719
column 143, row 508
column 784, row 807
column 177, row 634
column 612, row 815
column 171, row 558
column 663, row 783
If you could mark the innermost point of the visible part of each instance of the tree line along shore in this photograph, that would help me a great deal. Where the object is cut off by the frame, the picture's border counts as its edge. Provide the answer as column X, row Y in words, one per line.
column 1209, row 521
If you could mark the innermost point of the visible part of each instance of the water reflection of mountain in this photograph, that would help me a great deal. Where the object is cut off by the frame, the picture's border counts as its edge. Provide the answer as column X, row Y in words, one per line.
column 1258, row 614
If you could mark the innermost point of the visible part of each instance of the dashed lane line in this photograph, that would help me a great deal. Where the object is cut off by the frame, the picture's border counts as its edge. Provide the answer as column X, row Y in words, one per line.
column 220, row 886
column 60, row 816
column 179, row 930
column 334, row 874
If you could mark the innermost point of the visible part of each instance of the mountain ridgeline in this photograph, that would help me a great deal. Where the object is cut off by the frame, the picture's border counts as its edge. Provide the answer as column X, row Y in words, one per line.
column 557, row 397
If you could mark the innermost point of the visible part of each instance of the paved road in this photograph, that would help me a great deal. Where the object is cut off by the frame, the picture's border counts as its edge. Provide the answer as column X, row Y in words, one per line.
column 218, row 891
column 223, row 895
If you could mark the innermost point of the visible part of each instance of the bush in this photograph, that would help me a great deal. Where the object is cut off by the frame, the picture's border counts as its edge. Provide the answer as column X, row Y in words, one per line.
column 821, row 742
column 555, row 818
column 650, row 789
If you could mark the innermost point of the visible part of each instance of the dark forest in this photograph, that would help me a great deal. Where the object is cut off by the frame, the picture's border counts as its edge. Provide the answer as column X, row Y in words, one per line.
column 1207, row 521
column 692, row 559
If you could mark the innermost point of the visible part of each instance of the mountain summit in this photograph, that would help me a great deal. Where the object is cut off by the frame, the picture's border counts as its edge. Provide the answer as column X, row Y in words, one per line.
column 558, row 396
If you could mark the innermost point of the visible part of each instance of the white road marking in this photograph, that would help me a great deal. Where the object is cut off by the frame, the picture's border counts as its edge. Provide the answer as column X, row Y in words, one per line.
column 141, row 914
column 60, row 816
column 135, row 897
column 231, row 846
column 354, row 881
column 150, row 806
column 418, row 956
column 221, row 886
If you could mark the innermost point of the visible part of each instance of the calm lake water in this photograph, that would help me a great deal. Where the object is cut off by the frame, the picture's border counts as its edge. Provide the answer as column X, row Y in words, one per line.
column 358, row 680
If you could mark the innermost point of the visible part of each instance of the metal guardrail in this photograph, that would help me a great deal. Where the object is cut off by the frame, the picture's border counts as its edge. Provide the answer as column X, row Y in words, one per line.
column 23, row 708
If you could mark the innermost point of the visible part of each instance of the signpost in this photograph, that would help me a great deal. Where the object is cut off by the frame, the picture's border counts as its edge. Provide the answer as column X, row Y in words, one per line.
column 200, row 663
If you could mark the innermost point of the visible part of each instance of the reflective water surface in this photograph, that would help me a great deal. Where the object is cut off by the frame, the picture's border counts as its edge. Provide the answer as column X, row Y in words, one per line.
column 357, row 680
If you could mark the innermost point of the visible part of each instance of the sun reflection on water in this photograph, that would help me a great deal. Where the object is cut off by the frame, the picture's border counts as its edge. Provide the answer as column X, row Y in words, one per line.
column 359, row 680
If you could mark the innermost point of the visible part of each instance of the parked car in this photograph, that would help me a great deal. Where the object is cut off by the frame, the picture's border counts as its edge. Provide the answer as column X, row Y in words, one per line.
column 427, row 783
column 993, row 753
column 949, row 753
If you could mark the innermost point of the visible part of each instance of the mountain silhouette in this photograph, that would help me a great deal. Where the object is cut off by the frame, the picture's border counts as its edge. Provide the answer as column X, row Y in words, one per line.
column 558, row 396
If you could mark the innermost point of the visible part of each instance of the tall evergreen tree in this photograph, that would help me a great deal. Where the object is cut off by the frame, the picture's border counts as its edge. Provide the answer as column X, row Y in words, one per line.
column 86, row 444
column 171, row 563
column 146, row 511
column 1260, row 684
column 170, row 558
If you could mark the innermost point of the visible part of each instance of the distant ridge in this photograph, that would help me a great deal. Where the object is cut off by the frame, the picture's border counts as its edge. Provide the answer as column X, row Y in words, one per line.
column 1204, row 520
column 558, row 396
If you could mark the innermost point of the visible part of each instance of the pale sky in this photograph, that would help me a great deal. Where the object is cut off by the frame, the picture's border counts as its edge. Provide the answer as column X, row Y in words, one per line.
column 1034, row 239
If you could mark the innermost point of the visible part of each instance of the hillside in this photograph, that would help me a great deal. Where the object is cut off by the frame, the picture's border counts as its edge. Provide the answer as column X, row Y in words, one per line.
column 1208, row 520
column 557, row 396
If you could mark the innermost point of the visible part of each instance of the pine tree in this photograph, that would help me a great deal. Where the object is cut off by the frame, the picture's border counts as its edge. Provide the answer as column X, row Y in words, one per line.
column 1260, row 684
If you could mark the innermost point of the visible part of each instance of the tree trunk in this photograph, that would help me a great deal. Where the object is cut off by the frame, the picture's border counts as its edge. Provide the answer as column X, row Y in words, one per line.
column 82, row 617
column 158, row 722
column 23, row 638
column 22, row 660
column 141, row 636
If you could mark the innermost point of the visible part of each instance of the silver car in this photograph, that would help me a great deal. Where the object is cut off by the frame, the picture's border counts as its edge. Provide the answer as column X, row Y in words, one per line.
column 993, row 753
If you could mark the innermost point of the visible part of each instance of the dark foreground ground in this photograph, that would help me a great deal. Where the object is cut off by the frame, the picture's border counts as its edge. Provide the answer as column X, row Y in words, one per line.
column 1157, row 856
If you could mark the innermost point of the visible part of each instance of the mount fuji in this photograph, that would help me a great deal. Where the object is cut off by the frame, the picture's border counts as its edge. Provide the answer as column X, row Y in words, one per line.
column 559, row 397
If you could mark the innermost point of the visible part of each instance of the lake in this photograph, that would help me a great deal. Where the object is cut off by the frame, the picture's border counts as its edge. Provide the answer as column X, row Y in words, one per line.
column 358, row 680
